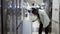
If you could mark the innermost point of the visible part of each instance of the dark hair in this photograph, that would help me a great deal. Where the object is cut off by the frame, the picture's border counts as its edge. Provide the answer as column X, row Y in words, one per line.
column 33, row 4
column 33, row 9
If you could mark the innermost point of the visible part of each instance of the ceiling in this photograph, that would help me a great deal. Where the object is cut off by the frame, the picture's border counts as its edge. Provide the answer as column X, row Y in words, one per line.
column 35, row 1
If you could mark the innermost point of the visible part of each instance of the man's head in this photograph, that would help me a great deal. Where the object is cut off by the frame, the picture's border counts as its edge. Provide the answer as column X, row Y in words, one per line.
column 35, row 11
column 32, row 4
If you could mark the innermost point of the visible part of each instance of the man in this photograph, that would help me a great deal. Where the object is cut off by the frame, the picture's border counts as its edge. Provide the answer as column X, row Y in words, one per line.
column 43, row 19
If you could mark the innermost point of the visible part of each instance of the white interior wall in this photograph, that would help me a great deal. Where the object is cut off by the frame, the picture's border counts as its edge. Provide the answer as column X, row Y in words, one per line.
column 55, row 17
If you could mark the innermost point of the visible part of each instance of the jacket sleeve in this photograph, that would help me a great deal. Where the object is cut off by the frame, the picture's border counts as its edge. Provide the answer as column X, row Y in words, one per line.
column 46, row 20
column 41, row 16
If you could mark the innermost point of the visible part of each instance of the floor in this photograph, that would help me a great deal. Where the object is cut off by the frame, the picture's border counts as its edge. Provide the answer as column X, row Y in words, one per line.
column 37, row 33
